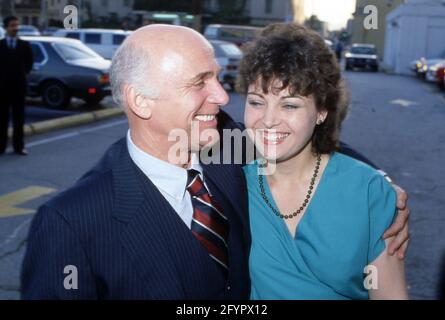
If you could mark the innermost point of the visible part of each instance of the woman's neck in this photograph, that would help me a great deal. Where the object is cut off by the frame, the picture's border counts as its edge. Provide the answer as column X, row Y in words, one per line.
column 298, row 168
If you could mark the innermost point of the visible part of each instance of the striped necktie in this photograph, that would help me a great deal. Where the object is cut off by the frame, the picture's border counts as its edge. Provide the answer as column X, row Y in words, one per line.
column 209, row 224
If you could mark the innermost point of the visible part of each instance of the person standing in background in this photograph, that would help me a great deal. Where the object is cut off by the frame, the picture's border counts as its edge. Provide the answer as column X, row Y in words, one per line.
column 16, row 62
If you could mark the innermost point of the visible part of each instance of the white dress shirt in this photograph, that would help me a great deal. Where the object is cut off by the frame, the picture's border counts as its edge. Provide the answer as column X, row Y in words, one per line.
column 169, row 179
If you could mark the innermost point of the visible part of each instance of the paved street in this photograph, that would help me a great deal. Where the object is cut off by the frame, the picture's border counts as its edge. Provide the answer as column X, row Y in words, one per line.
column 36, row 111
column 398, row 122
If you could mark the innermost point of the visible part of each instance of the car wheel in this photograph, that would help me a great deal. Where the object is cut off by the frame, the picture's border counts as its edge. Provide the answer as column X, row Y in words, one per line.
column 375, row 68
column 348, row 67
column 55, row 95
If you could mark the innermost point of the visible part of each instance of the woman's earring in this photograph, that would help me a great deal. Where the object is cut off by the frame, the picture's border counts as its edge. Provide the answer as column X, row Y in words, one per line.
column 319, row 121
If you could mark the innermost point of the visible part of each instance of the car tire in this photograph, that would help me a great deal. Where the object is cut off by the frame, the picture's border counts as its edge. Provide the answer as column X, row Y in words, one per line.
column 55, row 95
column 375, row 69
column 347, row 67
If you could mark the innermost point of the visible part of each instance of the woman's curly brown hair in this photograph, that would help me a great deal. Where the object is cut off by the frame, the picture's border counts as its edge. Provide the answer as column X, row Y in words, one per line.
column 299, row 59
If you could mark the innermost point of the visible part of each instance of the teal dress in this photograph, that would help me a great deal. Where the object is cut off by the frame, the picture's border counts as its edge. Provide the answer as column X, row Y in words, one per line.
column 338, row 236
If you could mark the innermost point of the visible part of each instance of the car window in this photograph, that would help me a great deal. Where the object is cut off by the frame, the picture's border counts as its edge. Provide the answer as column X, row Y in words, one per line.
column 230, row 49
column 118, row 39
column 37, row 53
column 73, row 35
column 93, row 38
column 74, row 51
column 211, row 32
column 232, row 33
column 363, row 50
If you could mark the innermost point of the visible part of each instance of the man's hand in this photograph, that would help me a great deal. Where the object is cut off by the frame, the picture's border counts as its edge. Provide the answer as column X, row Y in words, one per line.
column 400, row 227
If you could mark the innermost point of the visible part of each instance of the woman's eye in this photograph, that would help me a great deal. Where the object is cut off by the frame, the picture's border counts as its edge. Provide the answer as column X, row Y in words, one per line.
column 254, row 103
column 290, row 106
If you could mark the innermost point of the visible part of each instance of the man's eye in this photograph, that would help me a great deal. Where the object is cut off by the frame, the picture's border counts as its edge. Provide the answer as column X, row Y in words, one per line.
column 199, row 84
column 290, row 106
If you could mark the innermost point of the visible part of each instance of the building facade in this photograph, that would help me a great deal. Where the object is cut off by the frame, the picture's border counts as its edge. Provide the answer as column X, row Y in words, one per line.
column 360, row 34
column 415, row 29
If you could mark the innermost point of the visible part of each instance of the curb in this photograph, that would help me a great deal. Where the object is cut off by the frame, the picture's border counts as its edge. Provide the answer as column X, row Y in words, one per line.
column 69, row 121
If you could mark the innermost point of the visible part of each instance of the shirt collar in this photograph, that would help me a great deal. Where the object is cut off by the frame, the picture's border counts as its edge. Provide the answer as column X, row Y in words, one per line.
column 165, row 176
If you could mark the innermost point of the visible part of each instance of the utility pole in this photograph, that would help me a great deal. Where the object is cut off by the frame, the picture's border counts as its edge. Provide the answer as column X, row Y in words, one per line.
column 197, row 14
column 43, row 15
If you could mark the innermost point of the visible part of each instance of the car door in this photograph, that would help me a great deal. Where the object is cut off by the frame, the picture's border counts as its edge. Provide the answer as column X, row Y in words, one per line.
column 41, row 58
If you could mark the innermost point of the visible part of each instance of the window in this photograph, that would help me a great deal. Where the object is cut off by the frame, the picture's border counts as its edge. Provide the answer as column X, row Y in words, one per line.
column 231, row 49
column 363, row 50
column 268, row 6
column 73, row 35
column 71, row 51
column 93, row 38
column 37, row 53
column 118, row 39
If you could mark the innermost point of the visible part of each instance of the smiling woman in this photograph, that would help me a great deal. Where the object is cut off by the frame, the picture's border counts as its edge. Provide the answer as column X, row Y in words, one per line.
column 316, row 216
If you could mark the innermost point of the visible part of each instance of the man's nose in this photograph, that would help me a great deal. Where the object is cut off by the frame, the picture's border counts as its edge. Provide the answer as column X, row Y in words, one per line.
column 218, row 94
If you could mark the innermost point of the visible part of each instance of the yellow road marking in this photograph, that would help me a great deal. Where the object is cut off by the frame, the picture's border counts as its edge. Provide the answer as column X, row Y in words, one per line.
column 10, row 201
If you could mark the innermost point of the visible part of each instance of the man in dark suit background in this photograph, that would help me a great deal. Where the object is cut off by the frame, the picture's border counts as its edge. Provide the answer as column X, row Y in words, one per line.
column 15, row 63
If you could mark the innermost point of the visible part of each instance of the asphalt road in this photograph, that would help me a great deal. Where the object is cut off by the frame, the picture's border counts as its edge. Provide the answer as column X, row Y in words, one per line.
column 398, row 122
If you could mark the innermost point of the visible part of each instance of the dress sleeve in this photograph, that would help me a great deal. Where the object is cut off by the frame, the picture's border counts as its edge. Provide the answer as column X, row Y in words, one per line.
column 382, row 210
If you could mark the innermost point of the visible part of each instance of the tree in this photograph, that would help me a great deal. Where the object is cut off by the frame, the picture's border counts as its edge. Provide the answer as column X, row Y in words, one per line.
column 313, row 23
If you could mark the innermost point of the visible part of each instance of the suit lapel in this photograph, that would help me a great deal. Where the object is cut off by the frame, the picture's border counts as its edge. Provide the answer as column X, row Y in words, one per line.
column 156, row 239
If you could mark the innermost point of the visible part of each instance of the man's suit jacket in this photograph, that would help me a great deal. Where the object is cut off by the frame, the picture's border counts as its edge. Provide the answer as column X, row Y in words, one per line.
column 127, row 242
column 15, row 65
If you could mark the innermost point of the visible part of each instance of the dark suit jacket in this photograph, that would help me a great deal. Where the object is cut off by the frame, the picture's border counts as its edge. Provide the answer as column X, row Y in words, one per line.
column 15, row 65
column 127, row 242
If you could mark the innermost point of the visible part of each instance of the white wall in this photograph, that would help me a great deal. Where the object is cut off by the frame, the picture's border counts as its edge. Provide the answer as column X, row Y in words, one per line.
column 414, row 30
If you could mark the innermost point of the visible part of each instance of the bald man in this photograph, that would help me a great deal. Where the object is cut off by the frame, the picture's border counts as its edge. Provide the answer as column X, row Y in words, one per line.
column 142, row 224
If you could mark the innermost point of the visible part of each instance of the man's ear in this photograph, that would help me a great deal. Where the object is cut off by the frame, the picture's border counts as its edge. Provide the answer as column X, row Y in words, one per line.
column 137, row 103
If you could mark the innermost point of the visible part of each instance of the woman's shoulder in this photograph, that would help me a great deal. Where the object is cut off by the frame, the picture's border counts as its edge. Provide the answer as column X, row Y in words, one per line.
column 346, row 165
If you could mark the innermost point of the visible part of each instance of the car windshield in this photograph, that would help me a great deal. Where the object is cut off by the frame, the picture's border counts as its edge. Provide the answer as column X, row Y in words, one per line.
column 227, row 49
column 74, row 51
column 27, row 29
column 363, row 50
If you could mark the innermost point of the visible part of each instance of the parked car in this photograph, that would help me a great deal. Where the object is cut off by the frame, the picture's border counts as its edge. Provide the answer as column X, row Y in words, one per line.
column 228, row 56
column 104, row 41
column 362, row 56
column 65, row 68
column 27, row 30
column 423, row 65
column 2, row 33
column 231, row 33
column 436, row 73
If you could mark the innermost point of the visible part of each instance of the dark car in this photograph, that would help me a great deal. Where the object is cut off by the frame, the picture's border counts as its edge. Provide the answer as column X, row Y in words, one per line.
column 65, row 68
column 362, row 56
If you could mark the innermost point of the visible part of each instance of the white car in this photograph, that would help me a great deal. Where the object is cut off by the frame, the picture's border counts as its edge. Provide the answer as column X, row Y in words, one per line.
column 2, row 33
column 228, row 56
column 104, row 41
column 27, row 30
